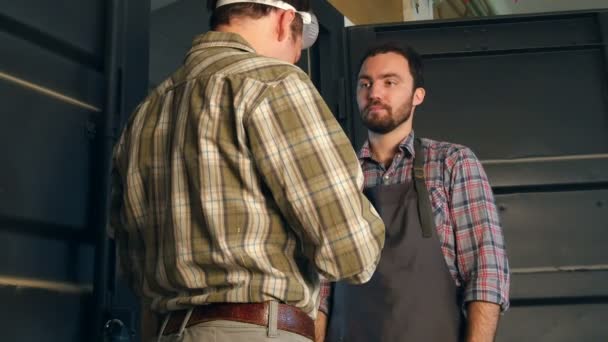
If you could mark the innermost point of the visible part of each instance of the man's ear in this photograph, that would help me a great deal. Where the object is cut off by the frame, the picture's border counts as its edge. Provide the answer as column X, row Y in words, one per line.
column 286, row 17
column 418, row 97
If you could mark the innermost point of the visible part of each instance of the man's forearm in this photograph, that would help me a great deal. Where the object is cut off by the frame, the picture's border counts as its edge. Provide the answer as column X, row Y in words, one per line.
column 320, row 327
column 482, row 321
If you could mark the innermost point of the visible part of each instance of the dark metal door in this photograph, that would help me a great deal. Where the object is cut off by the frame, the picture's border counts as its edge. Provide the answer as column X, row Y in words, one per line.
column 67, row 74
column 324, row 61
column 529, row 94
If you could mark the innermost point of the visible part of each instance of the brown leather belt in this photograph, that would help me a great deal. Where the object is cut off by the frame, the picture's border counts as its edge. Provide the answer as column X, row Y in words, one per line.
column 289, row 318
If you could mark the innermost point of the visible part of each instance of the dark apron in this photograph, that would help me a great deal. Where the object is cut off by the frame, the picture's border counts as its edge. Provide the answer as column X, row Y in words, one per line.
column 412, row 296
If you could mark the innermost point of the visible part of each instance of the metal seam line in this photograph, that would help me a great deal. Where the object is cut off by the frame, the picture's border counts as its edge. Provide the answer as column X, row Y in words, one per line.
column 559, row 269
column 309, row 67
column 54, row 286
column 47, row 91
column 545, row 159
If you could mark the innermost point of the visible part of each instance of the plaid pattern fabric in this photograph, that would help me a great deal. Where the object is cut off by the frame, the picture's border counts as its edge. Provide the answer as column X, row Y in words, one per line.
column 233, row 182
column 466, row 218
column 325, row 295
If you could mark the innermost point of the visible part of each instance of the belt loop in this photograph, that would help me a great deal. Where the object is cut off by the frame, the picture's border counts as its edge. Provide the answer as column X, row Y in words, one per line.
column 273, row 315
column 185, row 322
column 163, row 326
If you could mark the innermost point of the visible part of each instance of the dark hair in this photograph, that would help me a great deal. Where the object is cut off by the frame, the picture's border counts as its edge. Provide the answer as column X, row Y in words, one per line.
column 223, row 15
column 413, row 58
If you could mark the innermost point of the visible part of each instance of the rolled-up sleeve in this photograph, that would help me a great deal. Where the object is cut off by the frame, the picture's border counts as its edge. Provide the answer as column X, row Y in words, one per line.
column 313, row 173
column 480, row 246
column 325, row 297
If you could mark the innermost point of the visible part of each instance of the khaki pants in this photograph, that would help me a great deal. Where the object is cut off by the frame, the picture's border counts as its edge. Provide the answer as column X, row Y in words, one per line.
column 229, row 331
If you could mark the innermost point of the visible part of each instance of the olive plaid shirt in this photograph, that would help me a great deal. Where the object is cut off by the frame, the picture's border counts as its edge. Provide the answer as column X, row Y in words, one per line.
column 233, row 182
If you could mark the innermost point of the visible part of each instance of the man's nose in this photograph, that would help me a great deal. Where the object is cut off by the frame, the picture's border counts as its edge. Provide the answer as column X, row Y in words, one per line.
column 375, row 92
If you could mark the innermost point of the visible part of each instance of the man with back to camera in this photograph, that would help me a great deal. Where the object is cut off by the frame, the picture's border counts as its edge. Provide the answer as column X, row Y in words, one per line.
column 438, row 208
column 234, row 187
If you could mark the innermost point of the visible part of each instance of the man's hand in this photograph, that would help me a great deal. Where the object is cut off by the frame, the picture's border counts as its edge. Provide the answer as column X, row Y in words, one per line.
column 320, row 327
column 482, row 321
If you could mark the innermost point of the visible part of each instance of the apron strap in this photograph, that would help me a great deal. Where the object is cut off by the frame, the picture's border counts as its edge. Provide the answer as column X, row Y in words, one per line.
column 425, row 211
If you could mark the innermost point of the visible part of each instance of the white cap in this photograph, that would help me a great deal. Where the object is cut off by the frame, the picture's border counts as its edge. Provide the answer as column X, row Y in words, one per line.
column 311, row 24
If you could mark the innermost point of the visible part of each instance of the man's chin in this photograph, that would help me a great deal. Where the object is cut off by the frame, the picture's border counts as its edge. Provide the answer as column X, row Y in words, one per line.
column 376, row 117
column 379, row 127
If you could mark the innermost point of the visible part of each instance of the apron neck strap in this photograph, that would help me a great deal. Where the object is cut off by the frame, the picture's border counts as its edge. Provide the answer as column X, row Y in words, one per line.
column 425, row 211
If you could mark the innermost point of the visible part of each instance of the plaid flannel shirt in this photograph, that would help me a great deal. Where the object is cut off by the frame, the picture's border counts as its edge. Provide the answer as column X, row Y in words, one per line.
column 233, row 182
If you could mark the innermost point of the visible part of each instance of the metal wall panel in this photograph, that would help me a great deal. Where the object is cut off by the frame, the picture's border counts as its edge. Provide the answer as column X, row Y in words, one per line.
column 45, row 258
column 555, row 242
column 529, row 32
column 49, row 159
column 74, row 28
column 576, row 170
column 33, row 315
column 61, row 96
column 556, row 228
column 28, row 62
column 554, row 283
column 537, row 118
column 325, row 60
column 558, row 323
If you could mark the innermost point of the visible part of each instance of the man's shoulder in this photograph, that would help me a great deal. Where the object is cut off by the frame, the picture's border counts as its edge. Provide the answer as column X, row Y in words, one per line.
column 247, row 65
column 269, row 70
column 446, row 151
column 242, row 71
column 228, row 55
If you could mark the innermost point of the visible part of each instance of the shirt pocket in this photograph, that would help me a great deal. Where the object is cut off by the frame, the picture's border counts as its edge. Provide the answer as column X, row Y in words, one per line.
column 439, row 202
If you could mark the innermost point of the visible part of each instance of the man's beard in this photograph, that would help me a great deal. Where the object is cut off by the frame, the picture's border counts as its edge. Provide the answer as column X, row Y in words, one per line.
column 388, row 122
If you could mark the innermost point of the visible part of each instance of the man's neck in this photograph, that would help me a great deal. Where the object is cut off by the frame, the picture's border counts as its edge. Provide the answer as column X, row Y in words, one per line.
column 256, row 32
column 384, row 146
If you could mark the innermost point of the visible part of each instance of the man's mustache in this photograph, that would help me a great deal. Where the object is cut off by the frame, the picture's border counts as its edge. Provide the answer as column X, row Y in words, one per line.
column 377, row 103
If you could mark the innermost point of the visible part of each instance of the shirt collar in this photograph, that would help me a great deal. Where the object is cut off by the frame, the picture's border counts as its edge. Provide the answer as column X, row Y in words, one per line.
column 220, row 39
column 406, row 145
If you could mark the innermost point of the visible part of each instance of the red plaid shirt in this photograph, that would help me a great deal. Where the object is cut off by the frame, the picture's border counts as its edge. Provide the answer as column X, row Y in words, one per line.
column 466, row 218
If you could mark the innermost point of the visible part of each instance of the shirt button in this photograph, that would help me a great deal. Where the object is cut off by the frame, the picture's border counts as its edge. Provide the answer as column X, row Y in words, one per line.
column 386, row 179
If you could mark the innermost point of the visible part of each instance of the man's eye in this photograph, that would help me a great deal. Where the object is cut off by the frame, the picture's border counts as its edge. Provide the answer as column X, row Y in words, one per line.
column 390, row 83
column 364, row 85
